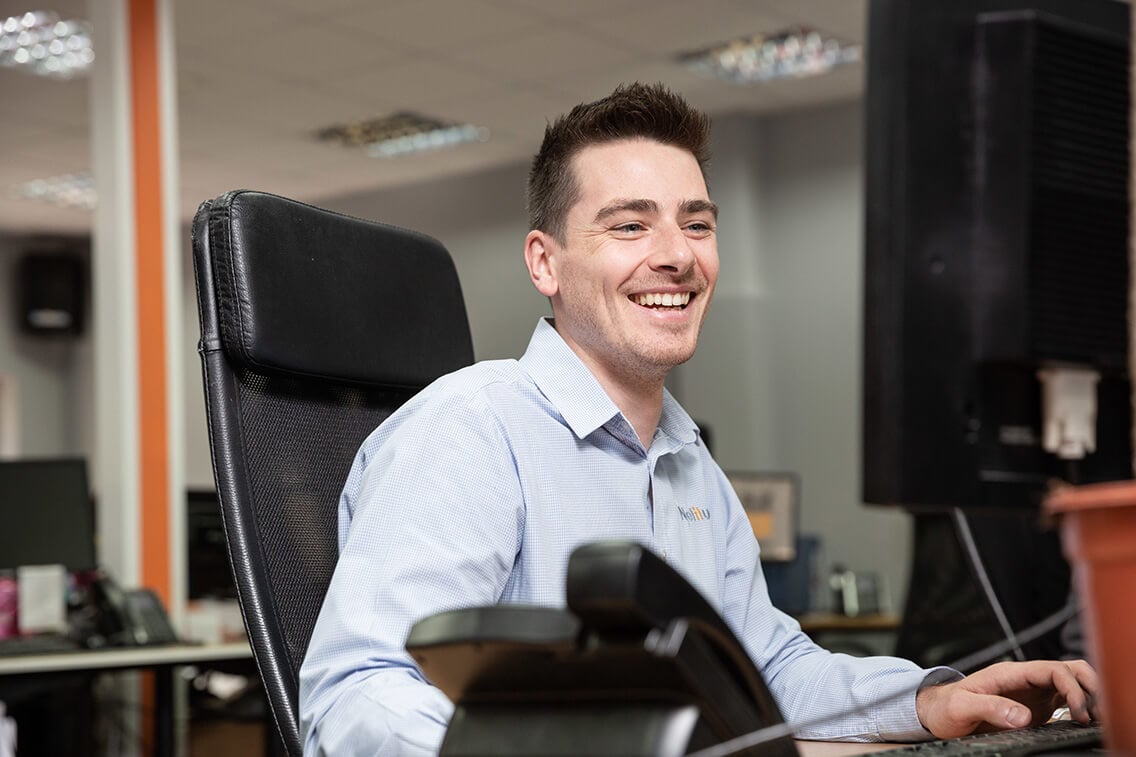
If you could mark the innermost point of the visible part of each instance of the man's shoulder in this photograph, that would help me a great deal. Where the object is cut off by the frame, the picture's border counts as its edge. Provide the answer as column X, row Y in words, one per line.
column 476, row 389
column 473, row 380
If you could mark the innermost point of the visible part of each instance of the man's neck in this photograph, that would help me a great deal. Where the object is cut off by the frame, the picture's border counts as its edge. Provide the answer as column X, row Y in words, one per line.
column 637, row 391
column 639, row 399
column 642, row 407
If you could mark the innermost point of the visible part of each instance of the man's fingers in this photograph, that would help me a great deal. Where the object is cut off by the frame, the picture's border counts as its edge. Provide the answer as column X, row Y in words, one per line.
column 1077, row 684
column 1000, row 712
column 964, row 712
column 1010, row 695
column 1087, row 707
column 1073, row 682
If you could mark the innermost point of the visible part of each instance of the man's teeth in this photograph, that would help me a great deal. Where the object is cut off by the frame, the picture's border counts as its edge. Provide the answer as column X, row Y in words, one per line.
column 666, row 300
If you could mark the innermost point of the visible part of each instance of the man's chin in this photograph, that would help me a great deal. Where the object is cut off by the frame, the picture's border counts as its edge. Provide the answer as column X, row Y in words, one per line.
column 665, row 358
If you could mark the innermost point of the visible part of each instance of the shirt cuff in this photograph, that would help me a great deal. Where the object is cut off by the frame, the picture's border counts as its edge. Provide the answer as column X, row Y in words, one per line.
column 898, row 720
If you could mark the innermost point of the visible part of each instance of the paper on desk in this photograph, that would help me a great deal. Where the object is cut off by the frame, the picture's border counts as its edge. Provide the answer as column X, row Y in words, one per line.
column 42, row 604
column 7, row 734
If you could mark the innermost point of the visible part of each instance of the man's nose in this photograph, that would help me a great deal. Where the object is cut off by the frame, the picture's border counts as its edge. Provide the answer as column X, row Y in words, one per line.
column 672, row 252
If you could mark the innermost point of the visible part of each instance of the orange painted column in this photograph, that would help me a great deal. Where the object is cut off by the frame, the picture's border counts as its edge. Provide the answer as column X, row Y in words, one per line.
column 153, row 400
column 153, row 447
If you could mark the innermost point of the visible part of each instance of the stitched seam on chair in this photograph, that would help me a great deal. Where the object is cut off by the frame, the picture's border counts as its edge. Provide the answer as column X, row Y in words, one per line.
column 206, row 346
column 220, row 239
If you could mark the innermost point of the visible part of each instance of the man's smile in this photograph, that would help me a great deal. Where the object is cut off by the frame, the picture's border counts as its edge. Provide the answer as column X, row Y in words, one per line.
column 677, row 300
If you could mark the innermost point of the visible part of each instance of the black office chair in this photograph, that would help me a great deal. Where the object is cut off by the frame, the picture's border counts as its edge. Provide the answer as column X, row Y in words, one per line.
column 315, row 326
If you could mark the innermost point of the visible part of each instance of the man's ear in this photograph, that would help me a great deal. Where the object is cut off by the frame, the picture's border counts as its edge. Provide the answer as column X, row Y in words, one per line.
column 539, row 250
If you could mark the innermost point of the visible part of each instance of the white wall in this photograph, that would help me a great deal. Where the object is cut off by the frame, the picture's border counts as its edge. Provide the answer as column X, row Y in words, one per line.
column 813, row 196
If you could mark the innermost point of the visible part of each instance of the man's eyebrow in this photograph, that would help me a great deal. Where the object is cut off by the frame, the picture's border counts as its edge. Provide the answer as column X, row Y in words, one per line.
column 688, row 207
column 700, row 206
column 635, row 206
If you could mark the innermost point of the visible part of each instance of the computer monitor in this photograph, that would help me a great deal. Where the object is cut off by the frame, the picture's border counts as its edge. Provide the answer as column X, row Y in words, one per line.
column 996, row 249
column 46, row 514
column 209, row 574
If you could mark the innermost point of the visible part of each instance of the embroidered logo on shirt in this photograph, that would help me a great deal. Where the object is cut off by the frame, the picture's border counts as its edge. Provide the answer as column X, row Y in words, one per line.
column 694, row 513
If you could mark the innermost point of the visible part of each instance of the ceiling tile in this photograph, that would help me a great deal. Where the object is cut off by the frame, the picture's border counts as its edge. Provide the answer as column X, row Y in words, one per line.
column 416, row 25
column 421, row 84
column 547, row 56
column 846, row 19
column 672, row 29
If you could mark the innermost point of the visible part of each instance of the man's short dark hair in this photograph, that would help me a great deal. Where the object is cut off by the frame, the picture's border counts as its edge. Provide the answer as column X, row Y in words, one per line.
column 632, row 111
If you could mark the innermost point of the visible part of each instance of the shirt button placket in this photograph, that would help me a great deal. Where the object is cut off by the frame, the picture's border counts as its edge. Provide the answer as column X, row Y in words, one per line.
column 663, row 507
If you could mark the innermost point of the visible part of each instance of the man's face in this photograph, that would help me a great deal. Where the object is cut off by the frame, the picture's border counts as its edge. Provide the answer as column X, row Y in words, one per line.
column 632, row 282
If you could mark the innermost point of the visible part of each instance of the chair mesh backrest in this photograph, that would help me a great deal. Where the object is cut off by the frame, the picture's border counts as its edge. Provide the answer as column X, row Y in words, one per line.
column 315, row 327
column 300, row 439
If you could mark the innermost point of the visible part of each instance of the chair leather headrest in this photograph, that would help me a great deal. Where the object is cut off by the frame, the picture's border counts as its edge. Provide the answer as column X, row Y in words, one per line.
column 316, row 293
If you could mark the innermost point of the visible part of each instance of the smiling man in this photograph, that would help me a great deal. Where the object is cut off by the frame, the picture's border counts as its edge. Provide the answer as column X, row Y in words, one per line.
column 479, row 488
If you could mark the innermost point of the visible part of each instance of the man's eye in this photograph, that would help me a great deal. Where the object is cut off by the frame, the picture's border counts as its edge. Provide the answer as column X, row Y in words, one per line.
column 700, row 226
column 630, row 228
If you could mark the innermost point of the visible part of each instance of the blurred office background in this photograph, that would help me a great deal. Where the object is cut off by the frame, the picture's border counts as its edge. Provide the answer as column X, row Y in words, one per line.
column 777, row 374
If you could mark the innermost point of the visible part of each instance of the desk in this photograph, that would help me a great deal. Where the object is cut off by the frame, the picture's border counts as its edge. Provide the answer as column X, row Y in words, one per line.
column 161, row 659
column 860, row 635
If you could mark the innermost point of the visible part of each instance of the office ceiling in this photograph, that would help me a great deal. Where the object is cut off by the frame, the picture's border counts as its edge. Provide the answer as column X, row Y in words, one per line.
column 258, row 78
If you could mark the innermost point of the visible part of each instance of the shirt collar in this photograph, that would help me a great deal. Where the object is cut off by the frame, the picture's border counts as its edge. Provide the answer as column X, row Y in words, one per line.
column 563, row 378
column 675, row 423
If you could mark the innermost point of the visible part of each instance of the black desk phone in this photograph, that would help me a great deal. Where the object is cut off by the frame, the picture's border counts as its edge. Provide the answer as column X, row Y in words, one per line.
column 639, row 664
column 130, row 618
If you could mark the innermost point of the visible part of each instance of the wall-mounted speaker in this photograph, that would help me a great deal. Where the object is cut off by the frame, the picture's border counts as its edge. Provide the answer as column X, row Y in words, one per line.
column 52, row 293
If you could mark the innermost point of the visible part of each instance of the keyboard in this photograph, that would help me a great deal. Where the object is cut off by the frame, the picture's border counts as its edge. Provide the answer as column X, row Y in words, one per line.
column 29, row 645
column 1052, row 736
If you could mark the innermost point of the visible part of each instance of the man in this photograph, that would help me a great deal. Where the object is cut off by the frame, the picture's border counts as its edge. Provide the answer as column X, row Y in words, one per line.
column 478, row 489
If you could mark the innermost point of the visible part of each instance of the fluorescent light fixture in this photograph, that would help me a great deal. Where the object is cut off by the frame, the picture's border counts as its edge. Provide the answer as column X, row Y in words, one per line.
column 792, row 53
column 73, row 190
column 40, row 43
column 402, row 133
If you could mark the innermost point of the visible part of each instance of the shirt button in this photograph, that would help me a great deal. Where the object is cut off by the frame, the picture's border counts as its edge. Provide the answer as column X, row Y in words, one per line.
column 664, row 555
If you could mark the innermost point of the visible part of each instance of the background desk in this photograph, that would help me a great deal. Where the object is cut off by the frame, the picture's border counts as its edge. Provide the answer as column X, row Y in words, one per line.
column 860, row 635
column 163, row 660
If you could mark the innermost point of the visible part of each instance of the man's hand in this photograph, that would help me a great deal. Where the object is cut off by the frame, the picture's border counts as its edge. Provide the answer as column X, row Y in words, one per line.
column 1009, row 695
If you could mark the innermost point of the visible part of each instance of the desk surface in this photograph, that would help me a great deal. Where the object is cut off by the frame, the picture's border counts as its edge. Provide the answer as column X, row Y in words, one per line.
column 120, row 658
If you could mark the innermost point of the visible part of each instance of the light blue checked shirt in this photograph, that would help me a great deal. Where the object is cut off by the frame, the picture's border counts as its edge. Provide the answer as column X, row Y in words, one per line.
column 477, row 491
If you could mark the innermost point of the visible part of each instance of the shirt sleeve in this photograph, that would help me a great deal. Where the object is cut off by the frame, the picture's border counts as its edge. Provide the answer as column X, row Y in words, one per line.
column 834, row 696
column 435, row 525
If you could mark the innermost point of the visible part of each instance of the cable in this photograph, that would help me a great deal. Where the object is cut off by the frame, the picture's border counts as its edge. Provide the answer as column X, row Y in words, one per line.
column 982, row 656
column 987, row 588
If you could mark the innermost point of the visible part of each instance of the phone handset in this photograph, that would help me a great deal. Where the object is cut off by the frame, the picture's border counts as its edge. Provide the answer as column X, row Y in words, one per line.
column 617, row 587
column 131, row 618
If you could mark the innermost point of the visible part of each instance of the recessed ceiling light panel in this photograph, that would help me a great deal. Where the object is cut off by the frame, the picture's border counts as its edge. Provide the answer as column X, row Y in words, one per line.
column 792, row 53
column 73, row 190
column 40, row 43
column 402, row 133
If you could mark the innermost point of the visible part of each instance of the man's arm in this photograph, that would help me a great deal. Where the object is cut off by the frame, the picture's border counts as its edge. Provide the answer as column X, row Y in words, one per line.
column 1009, row 695
column 436, row 524
column 807, row 681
